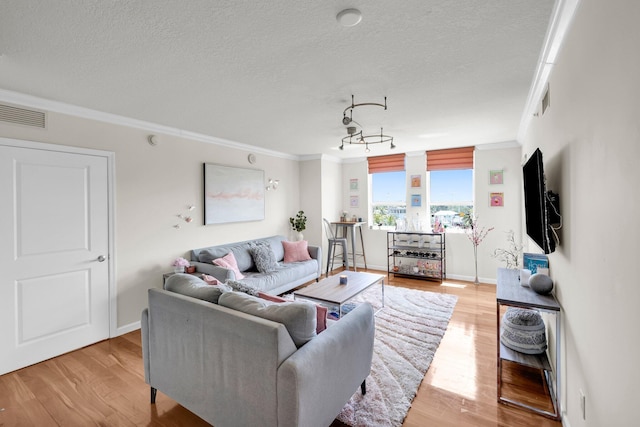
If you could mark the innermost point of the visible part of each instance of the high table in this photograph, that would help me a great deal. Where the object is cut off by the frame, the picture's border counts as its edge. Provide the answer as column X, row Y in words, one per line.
column 351, row 227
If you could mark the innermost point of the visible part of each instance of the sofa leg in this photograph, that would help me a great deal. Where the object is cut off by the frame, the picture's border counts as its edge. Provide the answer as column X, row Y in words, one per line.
column 153, row 394
column 363, row 387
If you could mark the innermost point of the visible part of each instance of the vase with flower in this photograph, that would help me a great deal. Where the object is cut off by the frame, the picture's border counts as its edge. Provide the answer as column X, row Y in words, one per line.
column 476, row 235
column 180, row 264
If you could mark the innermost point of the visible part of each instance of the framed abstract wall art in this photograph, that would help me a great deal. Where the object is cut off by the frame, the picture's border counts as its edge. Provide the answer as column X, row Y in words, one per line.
column 232, row 194
column 496, row 177
column 496, row 199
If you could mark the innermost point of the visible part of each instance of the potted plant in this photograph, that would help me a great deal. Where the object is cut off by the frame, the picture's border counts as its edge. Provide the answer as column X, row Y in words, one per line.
column 299, row 223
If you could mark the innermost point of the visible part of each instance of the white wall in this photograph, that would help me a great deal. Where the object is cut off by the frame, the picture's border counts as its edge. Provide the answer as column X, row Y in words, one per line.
column 153, row 185
column 460, row 263
column 590, row 139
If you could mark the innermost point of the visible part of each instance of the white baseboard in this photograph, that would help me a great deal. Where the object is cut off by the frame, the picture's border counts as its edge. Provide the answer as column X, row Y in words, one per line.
column 127, row 328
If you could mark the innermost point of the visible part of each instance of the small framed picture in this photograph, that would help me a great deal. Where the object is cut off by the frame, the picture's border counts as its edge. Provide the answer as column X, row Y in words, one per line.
column 416, row 181
column 416, row 200
column 354, row 201
column 353, row 184
column 496, row 177
column 496, row 199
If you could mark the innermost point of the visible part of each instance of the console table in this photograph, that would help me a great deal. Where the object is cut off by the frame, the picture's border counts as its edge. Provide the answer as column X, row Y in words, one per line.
column 509, row 292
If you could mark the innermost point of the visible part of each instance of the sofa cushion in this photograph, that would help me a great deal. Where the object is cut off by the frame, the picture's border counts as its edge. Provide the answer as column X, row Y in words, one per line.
column 296, row 251
column 229, row 261
column 192, row 286
column 263, row 257
column 321, row 311
column 298, row 317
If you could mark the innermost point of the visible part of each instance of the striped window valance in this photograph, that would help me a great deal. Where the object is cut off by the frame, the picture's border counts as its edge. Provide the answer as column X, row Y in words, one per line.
column 390, row 163
column 452, row 158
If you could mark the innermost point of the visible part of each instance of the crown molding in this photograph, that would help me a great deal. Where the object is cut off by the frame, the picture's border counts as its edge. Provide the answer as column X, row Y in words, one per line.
column 87, row 113
column 561, row 19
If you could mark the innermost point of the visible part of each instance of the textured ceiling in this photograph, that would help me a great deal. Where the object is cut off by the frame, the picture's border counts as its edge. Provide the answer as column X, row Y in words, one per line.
column 278, row 74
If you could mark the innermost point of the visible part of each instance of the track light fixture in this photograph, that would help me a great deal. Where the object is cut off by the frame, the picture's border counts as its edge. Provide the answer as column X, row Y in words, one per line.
column 354, row 137
column 366, row 140
column 347, row 120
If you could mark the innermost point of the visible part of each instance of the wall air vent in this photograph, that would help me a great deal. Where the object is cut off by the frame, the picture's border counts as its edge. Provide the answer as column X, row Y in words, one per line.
column 22, row 116
column 545, row 100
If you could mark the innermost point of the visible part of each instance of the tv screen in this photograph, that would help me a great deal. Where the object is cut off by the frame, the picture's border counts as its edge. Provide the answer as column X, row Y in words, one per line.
column 535, row 203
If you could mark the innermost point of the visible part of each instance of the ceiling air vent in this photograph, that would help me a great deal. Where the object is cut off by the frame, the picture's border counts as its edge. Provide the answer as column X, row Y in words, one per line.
column 22, row 116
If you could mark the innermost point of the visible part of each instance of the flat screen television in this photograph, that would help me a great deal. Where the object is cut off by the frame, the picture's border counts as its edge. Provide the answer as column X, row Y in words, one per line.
column 536, row 203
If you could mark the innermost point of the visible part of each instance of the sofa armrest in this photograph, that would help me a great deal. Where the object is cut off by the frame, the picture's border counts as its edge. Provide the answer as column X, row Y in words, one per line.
column 316, row 253
column 316, row 381
column 144, row 329
column 220, row 273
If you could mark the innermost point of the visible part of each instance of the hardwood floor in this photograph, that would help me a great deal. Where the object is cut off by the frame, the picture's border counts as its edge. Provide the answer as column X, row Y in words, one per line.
column 103, row 384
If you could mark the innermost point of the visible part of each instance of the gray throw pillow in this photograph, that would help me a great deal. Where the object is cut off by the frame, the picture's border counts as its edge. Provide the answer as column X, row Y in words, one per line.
column 192, row 286
column 263, row 257
column 298, row 317
column 241, row 287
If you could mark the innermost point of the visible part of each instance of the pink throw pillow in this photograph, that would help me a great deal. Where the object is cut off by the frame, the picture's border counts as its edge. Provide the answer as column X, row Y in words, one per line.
column 229, row 261
column 296, row 251
column 321, row 311
column 210, row 280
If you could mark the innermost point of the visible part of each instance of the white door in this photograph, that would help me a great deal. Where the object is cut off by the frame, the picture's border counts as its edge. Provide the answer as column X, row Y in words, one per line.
column 54, row 275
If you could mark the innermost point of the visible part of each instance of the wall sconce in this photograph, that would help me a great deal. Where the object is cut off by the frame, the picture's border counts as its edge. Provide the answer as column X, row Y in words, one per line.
column 272, row 184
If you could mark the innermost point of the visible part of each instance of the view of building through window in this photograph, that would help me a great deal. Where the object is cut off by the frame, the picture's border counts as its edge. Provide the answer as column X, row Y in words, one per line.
column 450, row 192
column 388, row 191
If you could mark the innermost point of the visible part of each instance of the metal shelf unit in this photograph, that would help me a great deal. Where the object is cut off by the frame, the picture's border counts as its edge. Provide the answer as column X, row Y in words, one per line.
column 417, row 255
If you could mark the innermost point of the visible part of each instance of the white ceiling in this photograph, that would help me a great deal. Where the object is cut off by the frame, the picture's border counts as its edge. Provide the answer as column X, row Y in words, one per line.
column 278, row 74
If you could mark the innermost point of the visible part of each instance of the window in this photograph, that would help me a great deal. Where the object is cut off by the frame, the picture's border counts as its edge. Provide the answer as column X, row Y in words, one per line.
column 451, row 186
column 451, row 194
column 388, row 189
column 388, row 197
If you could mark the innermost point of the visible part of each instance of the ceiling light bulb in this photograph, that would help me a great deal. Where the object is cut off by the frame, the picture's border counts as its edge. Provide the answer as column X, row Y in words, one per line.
column 349, row 17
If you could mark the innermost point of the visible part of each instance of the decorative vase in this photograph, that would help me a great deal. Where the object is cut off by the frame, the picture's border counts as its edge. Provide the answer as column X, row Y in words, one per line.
column 178, row 269
column 299, row 236
column 541, row 283
column 475, row 258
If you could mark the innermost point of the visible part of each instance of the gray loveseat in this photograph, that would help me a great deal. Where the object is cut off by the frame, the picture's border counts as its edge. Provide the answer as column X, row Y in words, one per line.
column 286, row 277
column 235, row 369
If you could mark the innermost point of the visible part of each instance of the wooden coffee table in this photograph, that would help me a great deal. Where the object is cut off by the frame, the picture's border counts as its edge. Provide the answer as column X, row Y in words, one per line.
column 329, row 291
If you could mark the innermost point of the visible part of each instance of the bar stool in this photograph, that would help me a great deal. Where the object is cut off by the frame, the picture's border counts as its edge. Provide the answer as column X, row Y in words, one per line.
column 333, row 242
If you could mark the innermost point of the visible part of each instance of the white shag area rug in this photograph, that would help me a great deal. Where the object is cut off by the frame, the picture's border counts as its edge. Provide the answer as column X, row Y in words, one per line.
column 408, row 331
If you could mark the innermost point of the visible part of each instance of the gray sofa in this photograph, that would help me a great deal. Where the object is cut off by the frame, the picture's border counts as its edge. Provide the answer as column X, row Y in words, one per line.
column 235, row 369
column 286, row 277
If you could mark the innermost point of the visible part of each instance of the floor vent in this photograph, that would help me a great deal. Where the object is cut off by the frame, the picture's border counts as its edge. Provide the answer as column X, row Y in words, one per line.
column 22, row 116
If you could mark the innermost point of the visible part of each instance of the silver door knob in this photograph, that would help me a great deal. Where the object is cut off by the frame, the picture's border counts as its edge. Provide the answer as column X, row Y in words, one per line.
column 101, row 258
